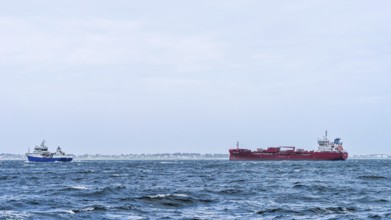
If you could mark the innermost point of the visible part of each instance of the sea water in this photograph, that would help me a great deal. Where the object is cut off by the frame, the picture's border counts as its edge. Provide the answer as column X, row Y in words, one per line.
column 352, row 189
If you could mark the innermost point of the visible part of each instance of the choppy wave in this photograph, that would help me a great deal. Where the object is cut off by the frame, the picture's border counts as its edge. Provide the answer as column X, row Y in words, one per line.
column 173, row 200
column 78, row 187
column 372, row 177
column 352, row 189
column 89, row 209
column 9, row 214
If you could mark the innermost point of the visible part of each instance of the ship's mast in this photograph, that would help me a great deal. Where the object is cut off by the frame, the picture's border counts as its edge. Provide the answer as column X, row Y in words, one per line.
column 237, row 145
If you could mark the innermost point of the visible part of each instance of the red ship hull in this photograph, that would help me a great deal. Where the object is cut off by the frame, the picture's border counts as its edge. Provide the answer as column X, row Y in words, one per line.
column 244, row 154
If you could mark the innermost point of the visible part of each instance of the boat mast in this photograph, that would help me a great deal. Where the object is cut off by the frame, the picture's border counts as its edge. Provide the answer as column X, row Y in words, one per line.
column 237, row 145
column 43, row 144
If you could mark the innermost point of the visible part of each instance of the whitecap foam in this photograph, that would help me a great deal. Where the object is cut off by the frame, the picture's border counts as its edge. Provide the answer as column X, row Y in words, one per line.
column 14, row 214
column 69, row 211
column 79, row 187
column 167, row 195
column 88, row 209
column 180, row 195
column 159, row 196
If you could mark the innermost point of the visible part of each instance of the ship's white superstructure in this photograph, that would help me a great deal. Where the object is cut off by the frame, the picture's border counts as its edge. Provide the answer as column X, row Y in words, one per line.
column 326, row 145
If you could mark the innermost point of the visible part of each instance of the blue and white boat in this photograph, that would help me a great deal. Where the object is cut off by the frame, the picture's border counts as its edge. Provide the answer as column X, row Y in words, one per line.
column 41, row 154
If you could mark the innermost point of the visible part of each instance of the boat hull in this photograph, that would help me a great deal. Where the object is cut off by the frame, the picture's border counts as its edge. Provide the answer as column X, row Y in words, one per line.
column 243, row 154
column 49, row 159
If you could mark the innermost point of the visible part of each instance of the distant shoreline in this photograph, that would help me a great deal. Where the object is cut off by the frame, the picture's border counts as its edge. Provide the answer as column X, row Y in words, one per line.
column 174, row 156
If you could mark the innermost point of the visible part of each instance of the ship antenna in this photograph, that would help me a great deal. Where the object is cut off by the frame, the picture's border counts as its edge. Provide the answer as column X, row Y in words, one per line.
column 237, row 145
column 326, row 133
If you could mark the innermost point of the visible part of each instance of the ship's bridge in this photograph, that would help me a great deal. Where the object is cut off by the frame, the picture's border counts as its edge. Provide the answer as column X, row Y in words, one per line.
column 326, row 145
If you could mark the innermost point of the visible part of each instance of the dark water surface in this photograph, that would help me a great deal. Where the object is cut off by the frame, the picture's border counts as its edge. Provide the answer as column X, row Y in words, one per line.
column 352, row 189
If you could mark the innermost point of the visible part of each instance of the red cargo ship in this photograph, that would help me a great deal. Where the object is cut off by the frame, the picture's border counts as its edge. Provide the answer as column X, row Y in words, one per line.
column 326, row 151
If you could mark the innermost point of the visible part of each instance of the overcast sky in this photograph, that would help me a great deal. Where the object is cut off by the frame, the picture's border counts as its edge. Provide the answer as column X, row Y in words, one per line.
column 117, row 77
